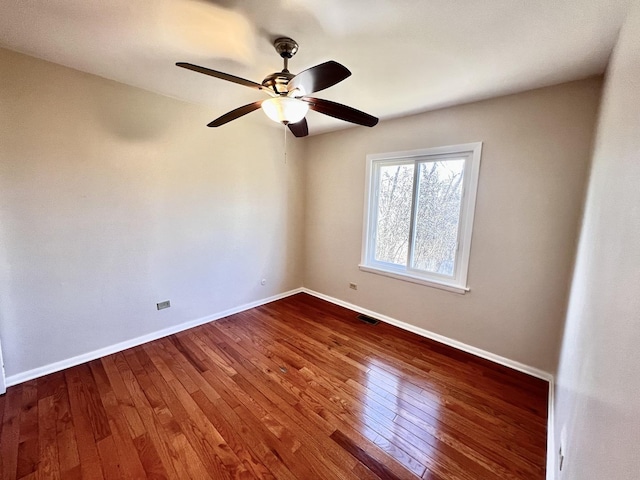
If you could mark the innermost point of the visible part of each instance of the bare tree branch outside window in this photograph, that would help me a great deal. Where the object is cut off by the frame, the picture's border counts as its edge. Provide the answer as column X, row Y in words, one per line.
column 437, row 214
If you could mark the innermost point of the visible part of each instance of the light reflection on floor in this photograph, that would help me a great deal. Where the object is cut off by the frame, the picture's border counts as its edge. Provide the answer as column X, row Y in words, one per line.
column 390, row 391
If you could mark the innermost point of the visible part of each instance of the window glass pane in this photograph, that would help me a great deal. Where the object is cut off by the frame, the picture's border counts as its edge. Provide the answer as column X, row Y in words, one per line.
column 438, row 215
column 395, row 189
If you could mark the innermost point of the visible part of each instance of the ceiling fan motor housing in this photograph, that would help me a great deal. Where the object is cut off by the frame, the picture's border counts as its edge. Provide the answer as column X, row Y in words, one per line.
column 278, row 82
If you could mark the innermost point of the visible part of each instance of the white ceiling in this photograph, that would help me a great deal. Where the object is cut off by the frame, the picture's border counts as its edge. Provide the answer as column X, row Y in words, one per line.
column 406, row 56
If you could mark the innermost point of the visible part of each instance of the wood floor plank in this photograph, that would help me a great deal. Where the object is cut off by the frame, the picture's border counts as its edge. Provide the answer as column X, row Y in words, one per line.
column 297, row 389
column 49, row 464
column 119, row 446
column 109, row 458
column 10, row 434
column 151, row 461
column 244, row 450
column 111, row 385
column 141, row 380
column 152, row 430
column 90, row 464
column 68, row 456
column 216, row 409
column 372, row 464
column 28, row 448
column 202, row 436
column 49, row 384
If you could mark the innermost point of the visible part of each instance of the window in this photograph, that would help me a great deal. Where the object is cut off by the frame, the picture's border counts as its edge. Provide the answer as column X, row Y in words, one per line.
column 419, row 209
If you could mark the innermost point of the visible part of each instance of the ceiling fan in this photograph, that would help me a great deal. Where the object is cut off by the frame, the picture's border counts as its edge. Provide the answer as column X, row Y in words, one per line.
column 289, row 102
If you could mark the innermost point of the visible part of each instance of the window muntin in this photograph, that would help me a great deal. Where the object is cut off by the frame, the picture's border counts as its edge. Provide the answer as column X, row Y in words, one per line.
column 419, row 214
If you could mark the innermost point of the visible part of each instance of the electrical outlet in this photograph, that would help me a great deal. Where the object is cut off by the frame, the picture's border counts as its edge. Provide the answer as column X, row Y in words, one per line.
column 162, row 305
column 353, row 286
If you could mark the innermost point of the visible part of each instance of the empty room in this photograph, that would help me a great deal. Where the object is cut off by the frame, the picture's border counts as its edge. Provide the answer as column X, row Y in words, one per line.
column 319, row 240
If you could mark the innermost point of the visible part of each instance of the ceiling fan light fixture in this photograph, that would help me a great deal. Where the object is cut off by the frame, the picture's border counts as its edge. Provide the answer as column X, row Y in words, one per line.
column 284, row 109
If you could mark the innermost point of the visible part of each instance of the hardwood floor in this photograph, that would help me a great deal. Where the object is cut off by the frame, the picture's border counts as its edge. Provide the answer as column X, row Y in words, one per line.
column 296, row 389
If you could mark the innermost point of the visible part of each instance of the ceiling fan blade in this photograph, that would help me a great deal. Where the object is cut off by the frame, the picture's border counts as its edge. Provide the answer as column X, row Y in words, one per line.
column 237, row 113
column 340, row 111
column 299, row 129
column 221, row 75
column 319, row 77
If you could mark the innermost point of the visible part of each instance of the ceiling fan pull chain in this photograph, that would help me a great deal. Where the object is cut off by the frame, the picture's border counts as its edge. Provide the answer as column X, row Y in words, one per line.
column 285, row 144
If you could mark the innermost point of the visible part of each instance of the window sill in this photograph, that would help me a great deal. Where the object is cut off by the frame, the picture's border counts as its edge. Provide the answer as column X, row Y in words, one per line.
column 413, row 279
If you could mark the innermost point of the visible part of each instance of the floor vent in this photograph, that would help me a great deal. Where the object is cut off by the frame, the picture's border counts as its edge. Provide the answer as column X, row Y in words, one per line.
column 369, row 320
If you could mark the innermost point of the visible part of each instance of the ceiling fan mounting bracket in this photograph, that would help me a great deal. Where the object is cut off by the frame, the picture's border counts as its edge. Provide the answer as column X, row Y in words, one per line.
column 286, row 47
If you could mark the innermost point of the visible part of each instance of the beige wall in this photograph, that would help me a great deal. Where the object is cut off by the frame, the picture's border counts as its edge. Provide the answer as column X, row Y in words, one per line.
column 534, row 166
column 113, row 199
column 598, row 386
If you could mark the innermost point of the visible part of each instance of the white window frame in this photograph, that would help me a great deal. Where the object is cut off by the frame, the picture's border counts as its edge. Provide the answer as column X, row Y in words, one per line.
column 471, row 152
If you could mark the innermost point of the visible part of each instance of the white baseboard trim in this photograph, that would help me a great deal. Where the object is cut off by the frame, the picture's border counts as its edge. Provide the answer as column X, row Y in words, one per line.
column 134, row 342
column 3, row 384
column 535, row 372
column 551, row 438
